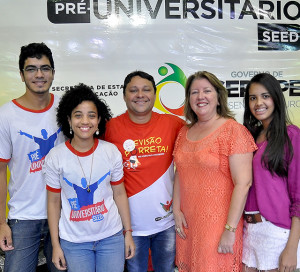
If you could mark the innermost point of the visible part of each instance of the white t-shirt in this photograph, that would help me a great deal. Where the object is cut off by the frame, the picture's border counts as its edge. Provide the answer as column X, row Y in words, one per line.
column 26, row 136
column 85, row 215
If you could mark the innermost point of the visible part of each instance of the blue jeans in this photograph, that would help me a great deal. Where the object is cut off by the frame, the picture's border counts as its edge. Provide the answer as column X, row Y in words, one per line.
column 106, row 255
column 26, row 236
column 162, row 245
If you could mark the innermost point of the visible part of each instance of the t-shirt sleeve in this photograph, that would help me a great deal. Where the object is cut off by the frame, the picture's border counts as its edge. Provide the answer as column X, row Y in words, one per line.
column 108, row 128
column 51, row 172
column 179, row 123
column 5, row 139
column 294, row 172
column 117, row 174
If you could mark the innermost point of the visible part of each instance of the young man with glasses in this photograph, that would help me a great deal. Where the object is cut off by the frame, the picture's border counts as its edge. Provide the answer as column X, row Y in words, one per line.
column 28, row 131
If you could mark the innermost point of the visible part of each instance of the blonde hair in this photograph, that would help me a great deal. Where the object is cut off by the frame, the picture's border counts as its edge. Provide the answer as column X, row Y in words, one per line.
column 222, row 108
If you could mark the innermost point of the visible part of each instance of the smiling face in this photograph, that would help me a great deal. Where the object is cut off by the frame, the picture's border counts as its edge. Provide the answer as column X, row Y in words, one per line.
column 203, row 99
column 139, row 98
column 84, row 121
column 37, row 82
column 261, row 103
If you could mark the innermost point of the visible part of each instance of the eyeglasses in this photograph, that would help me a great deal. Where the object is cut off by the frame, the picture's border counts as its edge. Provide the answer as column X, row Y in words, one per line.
column 33, row 69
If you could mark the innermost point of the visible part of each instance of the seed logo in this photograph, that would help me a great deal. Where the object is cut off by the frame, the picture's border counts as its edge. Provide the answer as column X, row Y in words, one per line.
column 177, row 77
column 279, row 37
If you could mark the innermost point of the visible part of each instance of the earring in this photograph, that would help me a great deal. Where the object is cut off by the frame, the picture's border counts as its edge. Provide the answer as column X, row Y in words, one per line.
column 71, row 131
column 97, row 131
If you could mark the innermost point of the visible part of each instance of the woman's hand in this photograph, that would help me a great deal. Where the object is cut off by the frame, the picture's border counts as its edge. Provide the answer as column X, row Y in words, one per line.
column 288, row 260
column 129, row 246
column 180, row 224
column 226, row 242
column 58, row 258
column 288, row 257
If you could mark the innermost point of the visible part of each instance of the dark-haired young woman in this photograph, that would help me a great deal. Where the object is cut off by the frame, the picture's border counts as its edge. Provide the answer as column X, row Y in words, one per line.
column 272, row 211
column 87, row 203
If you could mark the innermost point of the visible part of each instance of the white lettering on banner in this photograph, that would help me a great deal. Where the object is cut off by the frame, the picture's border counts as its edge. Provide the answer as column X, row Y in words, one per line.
column 277, row 36
column 71, row 8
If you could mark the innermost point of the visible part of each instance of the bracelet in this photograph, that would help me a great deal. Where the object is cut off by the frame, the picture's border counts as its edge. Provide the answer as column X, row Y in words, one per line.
column 124, row 231
column 230, row 228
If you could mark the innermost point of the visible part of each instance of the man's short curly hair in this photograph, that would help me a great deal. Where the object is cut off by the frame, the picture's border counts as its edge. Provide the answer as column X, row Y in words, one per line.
column 71, row 99
column 34, row 50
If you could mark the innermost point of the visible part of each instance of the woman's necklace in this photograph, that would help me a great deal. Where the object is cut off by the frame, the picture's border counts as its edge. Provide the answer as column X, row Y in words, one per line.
column 88, row 182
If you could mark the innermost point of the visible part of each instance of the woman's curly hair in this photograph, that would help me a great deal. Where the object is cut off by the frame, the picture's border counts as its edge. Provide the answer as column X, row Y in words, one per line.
column 71, row 99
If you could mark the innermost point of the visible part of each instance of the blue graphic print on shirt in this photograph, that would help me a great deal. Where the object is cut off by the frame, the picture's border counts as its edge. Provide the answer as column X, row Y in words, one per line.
column 37, row 156
column 84, row 203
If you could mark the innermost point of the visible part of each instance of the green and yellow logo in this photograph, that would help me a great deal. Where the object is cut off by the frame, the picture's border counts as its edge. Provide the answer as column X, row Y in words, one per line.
column 177, row 76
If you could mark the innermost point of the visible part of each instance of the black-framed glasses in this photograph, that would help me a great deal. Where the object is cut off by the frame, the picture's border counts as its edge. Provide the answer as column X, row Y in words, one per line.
column 33, row 69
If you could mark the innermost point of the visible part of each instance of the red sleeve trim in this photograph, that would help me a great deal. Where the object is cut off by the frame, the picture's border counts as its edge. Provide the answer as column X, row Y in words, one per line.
column 4, row 160
column 53, row 190
column 117, row 182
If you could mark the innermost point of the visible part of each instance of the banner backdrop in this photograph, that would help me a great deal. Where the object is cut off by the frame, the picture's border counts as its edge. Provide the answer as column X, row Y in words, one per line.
column 98, row 42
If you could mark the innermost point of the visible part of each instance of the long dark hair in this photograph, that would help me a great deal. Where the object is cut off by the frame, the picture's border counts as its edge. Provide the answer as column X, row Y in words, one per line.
column 277, row 137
